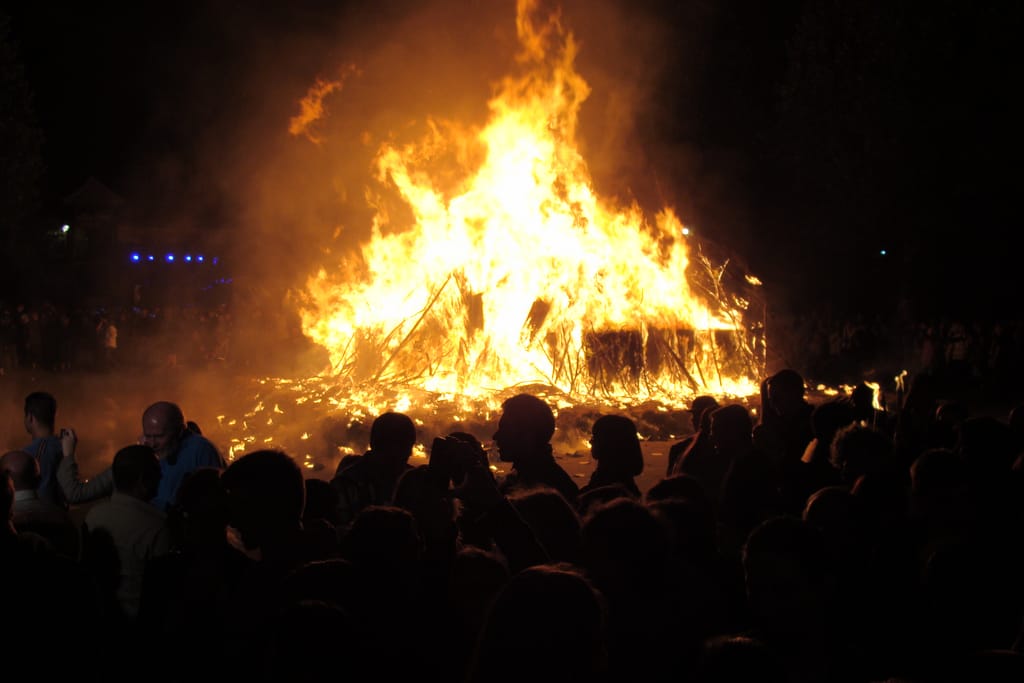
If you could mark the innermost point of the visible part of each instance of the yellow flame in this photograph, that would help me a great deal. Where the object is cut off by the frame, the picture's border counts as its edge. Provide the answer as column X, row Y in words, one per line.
column 311, row 107
column 519, row 273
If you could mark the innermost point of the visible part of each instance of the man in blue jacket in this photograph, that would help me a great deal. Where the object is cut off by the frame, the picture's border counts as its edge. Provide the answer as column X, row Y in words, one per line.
column 178, row 444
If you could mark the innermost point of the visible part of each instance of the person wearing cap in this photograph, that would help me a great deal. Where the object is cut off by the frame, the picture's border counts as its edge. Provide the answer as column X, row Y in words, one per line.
column 700, row 405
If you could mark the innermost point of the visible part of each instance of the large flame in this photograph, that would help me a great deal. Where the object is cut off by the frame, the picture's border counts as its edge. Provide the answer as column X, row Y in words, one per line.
column 517, row 272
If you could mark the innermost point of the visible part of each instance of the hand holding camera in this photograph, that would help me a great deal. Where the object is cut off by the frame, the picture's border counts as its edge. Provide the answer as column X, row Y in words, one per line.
column 451, row 457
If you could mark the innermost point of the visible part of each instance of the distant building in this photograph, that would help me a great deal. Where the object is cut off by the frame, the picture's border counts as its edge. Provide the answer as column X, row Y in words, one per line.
column 108, row 254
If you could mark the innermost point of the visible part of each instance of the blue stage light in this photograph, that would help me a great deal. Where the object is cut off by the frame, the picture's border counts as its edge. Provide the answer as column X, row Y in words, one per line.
column 151, row 258
column 199, row 258
column 170, row 258
column 188, row 258
column 135, row 257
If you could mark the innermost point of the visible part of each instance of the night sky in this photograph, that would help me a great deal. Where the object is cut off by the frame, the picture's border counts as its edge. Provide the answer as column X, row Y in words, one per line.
column 807, row 136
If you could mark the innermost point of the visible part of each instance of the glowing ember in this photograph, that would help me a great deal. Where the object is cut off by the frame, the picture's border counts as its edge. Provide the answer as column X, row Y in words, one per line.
column 518, row 273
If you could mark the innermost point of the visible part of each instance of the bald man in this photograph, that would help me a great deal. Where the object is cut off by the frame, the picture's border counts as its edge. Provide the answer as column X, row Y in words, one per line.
column 181, row 450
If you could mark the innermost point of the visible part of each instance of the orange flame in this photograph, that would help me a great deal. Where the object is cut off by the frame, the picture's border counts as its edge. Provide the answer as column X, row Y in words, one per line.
column 518, row 272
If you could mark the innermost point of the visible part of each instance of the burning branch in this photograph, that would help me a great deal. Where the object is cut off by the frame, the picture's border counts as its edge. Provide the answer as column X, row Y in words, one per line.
column 408, row 336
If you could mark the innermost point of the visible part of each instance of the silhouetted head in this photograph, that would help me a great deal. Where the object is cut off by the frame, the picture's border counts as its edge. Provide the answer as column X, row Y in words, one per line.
column 616, row 447
column 136, row 471
column 935, row 472
column 476, row 577
column 953, row 412
column 625, row 548
column 202, row 503
column 684, row 486
column 786, row 391
column 829, row 417
column 732, row 428
column 23, row 468
column 163, row 426
column 393, row 435
column 553, row 520
column 599, row 495
column 691, row 525
column 736, row 658
column 699, row 406
column 858, row 450
column 525, row 428
column 827, row 506
column 862, row 401
column 266, row 496
column 546, row 624
column 417, row 491
column 384, row 541
column 40, row 412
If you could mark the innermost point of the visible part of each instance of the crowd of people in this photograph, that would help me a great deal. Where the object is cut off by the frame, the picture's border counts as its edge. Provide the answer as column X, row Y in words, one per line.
column 803, row 542
column 104, row 338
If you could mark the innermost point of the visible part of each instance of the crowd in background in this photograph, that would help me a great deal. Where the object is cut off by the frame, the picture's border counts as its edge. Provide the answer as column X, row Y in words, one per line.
column 102, row 338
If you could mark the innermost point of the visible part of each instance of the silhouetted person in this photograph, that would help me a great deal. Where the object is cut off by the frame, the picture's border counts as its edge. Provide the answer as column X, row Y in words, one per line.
column 726, row 659
column 785, row 427
column 180, row 449
column 683, row 486
column 946, row 428
column 40, row 417
column 698, row 407
column 595, row 497
column 128, row 526
column 546, row 625
column 862, row 401
column 750, row 486
column 189, row 589
column 615, row 447
column 626, row 550
column 320, row 518
column 730, row 435
column 42, row 589
column 31, row 512
column 553, row 520
column 370, row 478
column 708, row 584
column 265, row 497
column 524, row 439
column 790, row 591
column 476, row 578
column 815, row 470
column 858, row 451
column 434, row 511
column 915, row 422
column 386, row 551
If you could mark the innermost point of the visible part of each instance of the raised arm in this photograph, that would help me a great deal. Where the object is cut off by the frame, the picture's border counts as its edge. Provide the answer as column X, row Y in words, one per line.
column 75, row 490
